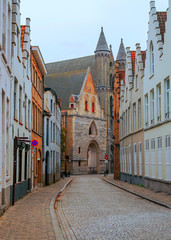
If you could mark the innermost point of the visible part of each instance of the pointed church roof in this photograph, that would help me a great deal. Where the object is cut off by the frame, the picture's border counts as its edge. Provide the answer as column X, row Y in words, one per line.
column 102, row 44
column 121, row 53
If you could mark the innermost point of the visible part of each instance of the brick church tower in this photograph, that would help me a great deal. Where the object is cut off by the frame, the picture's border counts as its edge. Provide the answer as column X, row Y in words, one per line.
column 104, row 63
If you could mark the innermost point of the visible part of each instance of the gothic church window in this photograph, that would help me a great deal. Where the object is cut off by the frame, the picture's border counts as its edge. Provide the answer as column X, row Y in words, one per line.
column 93, row 107
column 93, row 104
column 93, row 129
column 86, row 106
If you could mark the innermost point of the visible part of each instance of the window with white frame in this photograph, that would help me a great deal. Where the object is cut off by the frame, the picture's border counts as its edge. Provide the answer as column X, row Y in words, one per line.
column 153, row 144
column 146, row 110
column 123, row 124
column 29, row 110
column 137, row 82
column 151, row 58
column 167, row 98
column 126, row 94
column 20, row 103
column 159, row 102
column 135, row 159
column 159, row 142
column 129, row 121
column 134, row 116
column 168, row 157
column 126, row 122
column 139, row 113
column 152, row 106
column 15, row 98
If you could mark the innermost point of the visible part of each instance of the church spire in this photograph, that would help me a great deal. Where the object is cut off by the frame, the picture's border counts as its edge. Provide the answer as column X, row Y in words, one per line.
column 102, row 44
column 121, row 53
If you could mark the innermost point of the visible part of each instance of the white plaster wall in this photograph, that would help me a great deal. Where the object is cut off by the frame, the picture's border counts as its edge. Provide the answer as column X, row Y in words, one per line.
column 5, row 78
column 162, row 70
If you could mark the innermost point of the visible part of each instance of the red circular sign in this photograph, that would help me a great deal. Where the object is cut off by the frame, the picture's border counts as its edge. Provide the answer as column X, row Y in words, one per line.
column 106, row 157
column 34, row 143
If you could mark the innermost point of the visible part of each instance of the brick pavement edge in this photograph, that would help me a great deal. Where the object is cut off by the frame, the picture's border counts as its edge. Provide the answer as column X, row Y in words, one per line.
column 55, row 223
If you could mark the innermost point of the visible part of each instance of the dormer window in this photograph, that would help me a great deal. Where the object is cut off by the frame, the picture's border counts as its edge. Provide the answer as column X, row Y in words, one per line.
column 93, row 107
column 72, row 105
column 151, row 58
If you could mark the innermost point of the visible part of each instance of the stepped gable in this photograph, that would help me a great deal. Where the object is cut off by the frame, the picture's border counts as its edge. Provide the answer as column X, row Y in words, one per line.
column 162, row 18
column 133, row 54
column 143, row 55
column 22, row 34
column 66, row 77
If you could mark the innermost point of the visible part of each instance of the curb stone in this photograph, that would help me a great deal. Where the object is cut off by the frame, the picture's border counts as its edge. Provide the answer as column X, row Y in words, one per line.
column 139, row 195
column 55, row 223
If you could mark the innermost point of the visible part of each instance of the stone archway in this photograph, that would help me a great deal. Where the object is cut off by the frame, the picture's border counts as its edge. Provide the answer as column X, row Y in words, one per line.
column 93, row 157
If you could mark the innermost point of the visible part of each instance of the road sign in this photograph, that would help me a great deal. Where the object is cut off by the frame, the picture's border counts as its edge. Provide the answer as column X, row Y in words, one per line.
column 34, row 143
column 106, row 157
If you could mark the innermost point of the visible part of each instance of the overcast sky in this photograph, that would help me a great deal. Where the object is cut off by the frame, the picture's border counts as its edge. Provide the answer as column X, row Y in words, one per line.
column 70, row 28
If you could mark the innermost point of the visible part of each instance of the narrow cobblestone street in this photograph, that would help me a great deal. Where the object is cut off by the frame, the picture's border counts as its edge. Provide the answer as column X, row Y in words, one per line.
column 92, row 209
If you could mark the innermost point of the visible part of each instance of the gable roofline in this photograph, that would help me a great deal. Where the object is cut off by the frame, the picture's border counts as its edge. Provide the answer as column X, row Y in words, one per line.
column 47, row 89
column 39, row 59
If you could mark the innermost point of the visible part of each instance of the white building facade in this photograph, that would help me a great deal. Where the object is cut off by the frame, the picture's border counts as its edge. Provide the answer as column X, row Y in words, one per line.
column 52, row 137
column 132, row 118
column 157, row 101
column 5, row 79
column 21, row 97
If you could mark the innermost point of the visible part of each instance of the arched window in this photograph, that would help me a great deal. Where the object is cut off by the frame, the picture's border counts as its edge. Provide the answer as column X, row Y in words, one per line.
column 93, row 129
column 86, row 106
column 93, row 107
column 93, row 104
column 151, row 58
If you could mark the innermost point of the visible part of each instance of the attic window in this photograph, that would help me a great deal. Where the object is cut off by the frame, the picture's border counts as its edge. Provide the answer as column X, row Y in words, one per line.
column 72, row 105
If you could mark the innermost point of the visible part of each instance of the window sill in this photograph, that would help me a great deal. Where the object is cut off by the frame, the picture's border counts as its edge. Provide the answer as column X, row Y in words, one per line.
column 151, row 76
column 15, row 120
column 19, row 59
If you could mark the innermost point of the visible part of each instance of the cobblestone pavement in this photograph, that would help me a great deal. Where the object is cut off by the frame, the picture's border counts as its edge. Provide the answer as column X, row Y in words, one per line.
column 95, row 210
column 30, row 217
column 154, row 195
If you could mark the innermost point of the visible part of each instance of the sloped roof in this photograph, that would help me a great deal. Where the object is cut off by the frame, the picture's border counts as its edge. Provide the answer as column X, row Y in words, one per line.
column 66, row 77
column 162, row 18
column 121, row 53
column 102, row 44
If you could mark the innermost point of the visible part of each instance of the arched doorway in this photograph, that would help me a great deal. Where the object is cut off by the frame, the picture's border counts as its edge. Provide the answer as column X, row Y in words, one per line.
column 46, row 168
column 92, row 157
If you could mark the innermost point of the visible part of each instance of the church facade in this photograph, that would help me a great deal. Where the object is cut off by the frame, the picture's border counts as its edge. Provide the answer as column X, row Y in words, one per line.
column 85, row 87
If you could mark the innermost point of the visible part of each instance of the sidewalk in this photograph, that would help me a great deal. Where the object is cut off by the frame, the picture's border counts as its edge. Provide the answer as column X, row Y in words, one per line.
column 157, row 197
column 30, row 217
